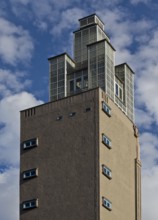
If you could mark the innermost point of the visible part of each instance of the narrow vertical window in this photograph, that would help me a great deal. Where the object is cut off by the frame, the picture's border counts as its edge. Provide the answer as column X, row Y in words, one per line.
column 85, row 82
column 120, row 94
column 116, row 87
column 119, row 90
column 71, row 86
column 78, row 84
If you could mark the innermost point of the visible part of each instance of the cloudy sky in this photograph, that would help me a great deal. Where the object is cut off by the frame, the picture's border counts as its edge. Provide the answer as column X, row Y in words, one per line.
column 30, row 32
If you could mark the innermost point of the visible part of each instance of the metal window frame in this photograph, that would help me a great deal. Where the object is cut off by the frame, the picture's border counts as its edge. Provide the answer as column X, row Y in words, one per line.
column 24, row 144
column 109, row 143
column 29, row 204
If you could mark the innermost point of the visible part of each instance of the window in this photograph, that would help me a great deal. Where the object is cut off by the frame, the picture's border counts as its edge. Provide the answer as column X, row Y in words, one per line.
column 59, row 118
column 85, row 82
column 106, row 141
column 88, row 109
column 30, row 143
column 119, row 90
column 30, row 204
column 116, row 87
column 106, row 109
column 106, row 203
column 106, row 171
column 30, row 173
column 72, row 114
column 78, row 84
column 71, row 86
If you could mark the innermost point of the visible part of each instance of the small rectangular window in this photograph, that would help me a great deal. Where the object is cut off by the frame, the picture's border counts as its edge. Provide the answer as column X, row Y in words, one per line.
column 30, row 204
column 88, row 109
column 72, row 114
column 106, row 171
column 106, row 109
column 30, row 173
column 59, row 118
column 30, row 143
column 106, row 203
column 106, row 141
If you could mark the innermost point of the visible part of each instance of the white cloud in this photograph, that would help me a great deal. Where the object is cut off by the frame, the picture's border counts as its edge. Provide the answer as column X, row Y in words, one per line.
column 43, row 26
column 149, row 147
column 10, row 119
column 143, row 118
column 68, row 18
column 9, row 191
column 149, row 156
column 12, row 82
column 135, row 2
column 147, row 78
column 16, row 45
column 149, row 193
column 41, row 10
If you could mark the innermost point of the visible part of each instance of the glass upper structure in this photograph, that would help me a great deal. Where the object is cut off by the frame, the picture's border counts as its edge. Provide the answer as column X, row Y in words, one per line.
column 93, row 65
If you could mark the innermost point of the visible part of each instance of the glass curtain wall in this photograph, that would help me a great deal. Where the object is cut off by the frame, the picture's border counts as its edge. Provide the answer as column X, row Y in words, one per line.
column 77, row 82
column 81, row 39
column 129, row 88
column 58, row 76
column 125, row 76
column 101, row 67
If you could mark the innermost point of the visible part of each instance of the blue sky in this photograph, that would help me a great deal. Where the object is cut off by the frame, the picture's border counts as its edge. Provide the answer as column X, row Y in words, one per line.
column 30, row 32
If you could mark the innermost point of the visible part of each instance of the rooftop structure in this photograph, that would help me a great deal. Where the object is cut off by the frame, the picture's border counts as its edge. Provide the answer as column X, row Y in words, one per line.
column 79, row 157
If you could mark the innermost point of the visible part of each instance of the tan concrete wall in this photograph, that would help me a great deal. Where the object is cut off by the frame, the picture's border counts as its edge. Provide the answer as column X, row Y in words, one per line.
column 67, row 159
column 120, row 190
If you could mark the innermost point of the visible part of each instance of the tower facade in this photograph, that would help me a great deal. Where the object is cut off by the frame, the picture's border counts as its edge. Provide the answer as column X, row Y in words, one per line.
column 80, row 152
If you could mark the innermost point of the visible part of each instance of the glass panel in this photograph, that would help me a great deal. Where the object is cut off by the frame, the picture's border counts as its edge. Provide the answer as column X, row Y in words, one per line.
column 78, row 83
column 85, row 81
column 71, row 86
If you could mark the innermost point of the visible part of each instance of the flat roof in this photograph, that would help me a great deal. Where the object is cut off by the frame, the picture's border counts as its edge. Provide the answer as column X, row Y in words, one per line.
column 62, row 54
column 127, row 66
column 102, row 41
column 67, row 97
column 94, row 14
